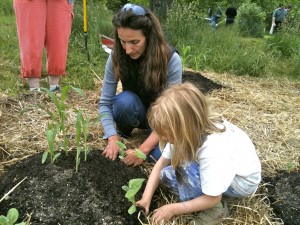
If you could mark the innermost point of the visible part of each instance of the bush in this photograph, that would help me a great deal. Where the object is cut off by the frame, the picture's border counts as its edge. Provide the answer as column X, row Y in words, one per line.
column 250, row 20
column 285, row 43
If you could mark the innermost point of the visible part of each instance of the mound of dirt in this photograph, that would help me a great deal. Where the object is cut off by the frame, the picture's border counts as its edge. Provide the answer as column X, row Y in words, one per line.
column 204, row 84
column 56, row 194
column 284, row 194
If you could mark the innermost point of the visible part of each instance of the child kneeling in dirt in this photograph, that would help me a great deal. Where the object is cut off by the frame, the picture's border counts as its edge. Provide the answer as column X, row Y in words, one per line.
column 204, row 158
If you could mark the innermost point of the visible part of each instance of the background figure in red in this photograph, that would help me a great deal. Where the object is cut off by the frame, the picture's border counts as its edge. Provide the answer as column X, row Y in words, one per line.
column 43, row 24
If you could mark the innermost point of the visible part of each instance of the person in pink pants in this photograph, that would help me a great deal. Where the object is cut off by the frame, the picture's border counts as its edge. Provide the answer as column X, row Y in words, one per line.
column 43, row 24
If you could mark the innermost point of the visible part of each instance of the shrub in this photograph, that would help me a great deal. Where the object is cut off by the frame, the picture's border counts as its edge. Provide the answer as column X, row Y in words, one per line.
column 285, row 43
column 250, row 20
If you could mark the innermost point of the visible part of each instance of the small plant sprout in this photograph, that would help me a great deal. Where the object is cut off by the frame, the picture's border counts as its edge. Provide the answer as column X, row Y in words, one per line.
column 60, row 115
column 122, row 151
column 78, row 137
column 50, row 135
column 134, row 185
column 11, row 218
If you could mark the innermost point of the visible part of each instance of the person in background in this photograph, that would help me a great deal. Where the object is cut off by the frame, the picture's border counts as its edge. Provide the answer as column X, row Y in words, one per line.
column 279, row 16
column 43, row 24
column 230, row 13
column 145, row 64
column 205, row 157
column 215, row 13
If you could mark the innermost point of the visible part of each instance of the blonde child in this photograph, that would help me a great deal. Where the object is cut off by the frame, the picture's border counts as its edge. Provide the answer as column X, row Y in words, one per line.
column 204, row 157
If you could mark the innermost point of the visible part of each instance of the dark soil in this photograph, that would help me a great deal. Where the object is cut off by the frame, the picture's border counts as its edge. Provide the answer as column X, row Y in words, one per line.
column 56, row 194
column 284, row 194
column 204, row 84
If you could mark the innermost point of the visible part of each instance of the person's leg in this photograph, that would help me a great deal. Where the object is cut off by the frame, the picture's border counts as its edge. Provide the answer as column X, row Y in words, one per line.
column 186, row 184
column 58, row 30
column 129, row 112
column 214, row 22
column 184, row 181
column 30, row 20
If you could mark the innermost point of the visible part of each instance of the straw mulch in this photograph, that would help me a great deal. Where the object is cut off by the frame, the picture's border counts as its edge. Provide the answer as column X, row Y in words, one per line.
column 267, row 109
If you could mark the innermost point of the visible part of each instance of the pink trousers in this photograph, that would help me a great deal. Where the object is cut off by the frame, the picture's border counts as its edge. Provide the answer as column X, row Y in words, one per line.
column 43, row 24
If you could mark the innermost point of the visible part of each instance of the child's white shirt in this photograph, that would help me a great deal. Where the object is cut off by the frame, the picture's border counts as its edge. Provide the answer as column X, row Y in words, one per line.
column 223, row 157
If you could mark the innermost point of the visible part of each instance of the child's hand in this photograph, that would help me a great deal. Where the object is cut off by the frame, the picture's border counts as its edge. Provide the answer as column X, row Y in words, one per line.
column 131, row 159
column 163, row 214
column 144, row 204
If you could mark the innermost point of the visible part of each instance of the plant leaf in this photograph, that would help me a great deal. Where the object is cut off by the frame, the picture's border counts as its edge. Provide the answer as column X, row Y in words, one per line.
column 53, row 97
column 44, row 157
column 121, row 145
column 12, row 215
column 140, row 154
column 125, row 188
column 56, row 156
column 132, row 209
column 4, row 220
column 79, row 91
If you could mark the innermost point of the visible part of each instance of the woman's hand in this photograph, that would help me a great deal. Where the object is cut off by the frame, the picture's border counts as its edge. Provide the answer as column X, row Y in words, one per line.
column 112, row 149
column 131, row 159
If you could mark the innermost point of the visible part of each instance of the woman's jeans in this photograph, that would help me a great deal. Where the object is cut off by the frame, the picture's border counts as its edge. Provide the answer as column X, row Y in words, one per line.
column 185, row 182
column 129, row 112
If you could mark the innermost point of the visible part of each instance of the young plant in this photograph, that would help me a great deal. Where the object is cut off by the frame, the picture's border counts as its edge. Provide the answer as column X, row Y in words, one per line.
column 82, row 126
column 134, row 185
column 78, row 137
column 11, row 217
column 60, row 115
column 122, row 151
column 50, row 135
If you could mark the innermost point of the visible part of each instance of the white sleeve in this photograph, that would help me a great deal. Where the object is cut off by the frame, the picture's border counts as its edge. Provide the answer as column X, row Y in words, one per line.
column 167, row 151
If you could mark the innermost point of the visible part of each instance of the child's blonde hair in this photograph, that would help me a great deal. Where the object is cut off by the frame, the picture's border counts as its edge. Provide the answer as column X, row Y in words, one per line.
column 182, row 114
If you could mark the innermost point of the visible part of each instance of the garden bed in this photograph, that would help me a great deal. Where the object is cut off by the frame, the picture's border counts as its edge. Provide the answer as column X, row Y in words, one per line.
column 55, row 194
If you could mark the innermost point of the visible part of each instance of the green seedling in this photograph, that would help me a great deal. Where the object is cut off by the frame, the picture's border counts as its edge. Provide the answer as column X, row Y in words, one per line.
column 82, row 126
column 50, row 135
column 122, row 151
column 59, row 115
column 78, row 137
column 134, row 185
column 11, row 218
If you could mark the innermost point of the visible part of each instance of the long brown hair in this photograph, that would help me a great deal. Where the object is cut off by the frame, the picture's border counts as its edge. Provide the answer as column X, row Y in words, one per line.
column 157, row 53
column 182, row 113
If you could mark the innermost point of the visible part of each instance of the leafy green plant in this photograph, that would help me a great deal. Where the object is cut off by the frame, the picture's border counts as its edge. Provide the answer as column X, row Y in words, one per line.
column 122, row 151
column 11, row 217
column 250, row 19
column 59, row 115
column 50, row 135
column 134, row 185
column 82, row 125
